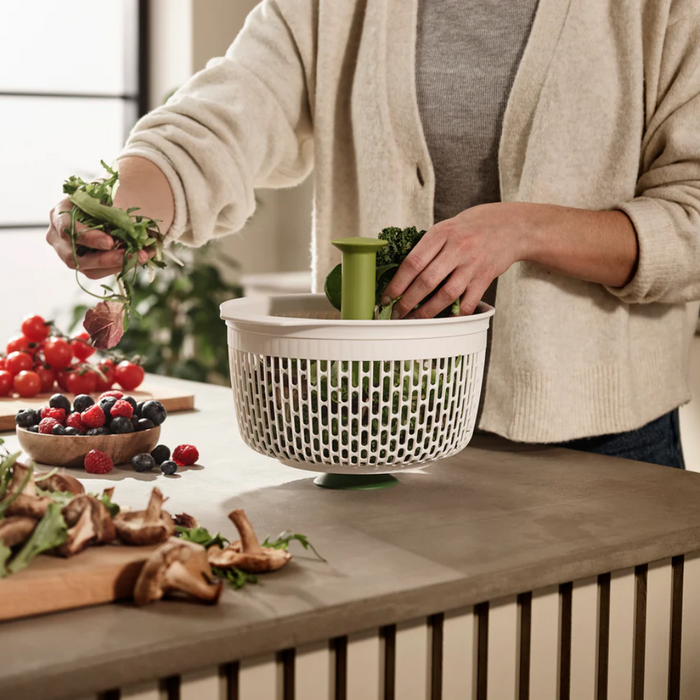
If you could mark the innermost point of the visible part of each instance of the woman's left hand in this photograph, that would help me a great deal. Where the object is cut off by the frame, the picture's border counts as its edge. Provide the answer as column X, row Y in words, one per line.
column 466, row 253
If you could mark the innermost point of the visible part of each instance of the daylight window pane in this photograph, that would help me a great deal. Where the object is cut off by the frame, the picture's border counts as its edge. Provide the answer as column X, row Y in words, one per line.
column 69, row 47
column 44, row 140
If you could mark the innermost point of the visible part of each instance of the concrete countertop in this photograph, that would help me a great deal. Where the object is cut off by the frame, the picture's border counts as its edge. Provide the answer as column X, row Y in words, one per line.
column 495, row 520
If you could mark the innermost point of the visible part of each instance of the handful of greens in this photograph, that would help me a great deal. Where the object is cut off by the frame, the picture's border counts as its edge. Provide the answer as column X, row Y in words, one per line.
column 93, row 206
column 401, row 242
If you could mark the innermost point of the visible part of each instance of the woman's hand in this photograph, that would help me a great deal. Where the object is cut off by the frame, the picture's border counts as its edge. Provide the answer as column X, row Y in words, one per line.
column 466, row 253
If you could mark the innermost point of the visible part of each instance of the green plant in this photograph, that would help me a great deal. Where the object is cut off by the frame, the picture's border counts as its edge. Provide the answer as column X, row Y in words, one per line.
column 176, row 330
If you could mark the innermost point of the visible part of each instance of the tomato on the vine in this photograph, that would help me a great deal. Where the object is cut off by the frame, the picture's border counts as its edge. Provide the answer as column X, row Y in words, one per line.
column 27, row 384
column 47, row 377
column 18, row 343
column 58, row 353
column 107, row 368
column 129, row 376
column 35, row 328
column 2, row 363
column 17, row 362
column 6, row 381
column 82, row 347
column 81, row 381
column 62, row 376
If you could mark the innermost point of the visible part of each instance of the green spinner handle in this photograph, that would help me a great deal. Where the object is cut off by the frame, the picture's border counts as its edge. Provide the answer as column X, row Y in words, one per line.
column 359, row 277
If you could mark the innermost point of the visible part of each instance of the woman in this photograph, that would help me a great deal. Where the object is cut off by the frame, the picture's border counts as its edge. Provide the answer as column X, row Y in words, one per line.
column 552, row 145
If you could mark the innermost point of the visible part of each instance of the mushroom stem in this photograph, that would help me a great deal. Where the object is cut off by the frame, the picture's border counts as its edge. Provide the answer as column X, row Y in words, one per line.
column 249, row 540
column 19, row 474
column 80, row 535
column 15, row 530
column 179, row 578
column 154, row 508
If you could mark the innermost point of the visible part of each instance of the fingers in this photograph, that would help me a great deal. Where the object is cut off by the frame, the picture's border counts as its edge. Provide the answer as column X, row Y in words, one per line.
column 471, row 298
column 415, row 263
column 451, row 290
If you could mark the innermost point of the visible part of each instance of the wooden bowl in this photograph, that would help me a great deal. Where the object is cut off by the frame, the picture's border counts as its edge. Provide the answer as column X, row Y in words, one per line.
column 70, row 450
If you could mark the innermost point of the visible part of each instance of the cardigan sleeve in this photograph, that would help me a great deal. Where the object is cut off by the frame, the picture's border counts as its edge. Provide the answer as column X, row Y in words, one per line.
column 245, row 121
column 666, row 209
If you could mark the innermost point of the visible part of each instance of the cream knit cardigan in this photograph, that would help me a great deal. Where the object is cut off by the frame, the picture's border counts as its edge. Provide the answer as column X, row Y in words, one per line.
column 604, row 113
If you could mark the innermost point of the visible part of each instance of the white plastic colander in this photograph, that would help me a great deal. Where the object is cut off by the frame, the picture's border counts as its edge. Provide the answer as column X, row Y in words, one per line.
column 352, row 397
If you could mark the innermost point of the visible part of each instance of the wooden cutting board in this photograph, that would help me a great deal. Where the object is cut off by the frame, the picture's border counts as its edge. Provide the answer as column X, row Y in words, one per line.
column 49, row 584
column 173, row 400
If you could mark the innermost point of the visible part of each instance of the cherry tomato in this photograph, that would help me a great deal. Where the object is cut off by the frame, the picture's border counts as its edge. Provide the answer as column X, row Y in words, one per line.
column 82, row 347
column 47, row 377
column 18, row 343
column 110, row 375
column 6, row 381
column 58, row 353
column 17, row 362
column 27, row 384
column 35, row 328
column 129, row 376
column 82, row 381
column 2, row 363
column 62, row 377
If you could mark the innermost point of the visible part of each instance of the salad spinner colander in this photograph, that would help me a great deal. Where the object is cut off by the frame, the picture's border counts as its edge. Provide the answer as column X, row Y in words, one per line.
column 353, row 397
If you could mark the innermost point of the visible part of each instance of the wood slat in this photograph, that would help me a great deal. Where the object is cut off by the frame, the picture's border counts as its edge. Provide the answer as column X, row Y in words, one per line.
column 690, row 645
column 621, row 636
column 314, row 674
column 365, row 666
column 207, row 684
column 658, row 629
column 503, row 650
column 143, row 691
column 545, row 633
column 584, row 639
column 413, row 655
column 459, row 647
column 260, row 679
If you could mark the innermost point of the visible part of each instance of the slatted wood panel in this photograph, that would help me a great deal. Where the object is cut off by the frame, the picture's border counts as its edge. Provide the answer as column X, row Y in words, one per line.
column 459, row 655
column 621, row 635
column 260, row 679
column 503, row 650
column 658, row 630
column 314, row 672
column 209, row 683
column 413, row 660
column 545, row 636
column 365, row 666
column 690, row 644
column 584, row 639
column 143, row 691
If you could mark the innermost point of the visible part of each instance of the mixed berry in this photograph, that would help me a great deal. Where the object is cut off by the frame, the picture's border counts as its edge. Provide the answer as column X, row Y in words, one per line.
column 183, row 456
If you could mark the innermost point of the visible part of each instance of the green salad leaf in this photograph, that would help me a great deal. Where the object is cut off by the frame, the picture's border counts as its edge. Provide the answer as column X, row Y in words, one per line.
column 50, row 532
column 200, row 535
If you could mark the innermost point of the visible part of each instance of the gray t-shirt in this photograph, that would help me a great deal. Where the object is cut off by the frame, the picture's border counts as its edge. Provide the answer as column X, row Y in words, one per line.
column 467, row 55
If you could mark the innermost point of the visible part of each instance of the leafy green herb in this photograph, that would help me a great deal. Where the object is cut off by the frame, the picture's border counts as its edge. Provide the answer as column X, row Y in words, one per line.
column 60, row 497
column 6, row 472
column 283, row 540
column 235, row 577
column 11, row 498
column 46, row 476
column 200, row 535
column 112, row 507
column 50, row 532
column 5, row 554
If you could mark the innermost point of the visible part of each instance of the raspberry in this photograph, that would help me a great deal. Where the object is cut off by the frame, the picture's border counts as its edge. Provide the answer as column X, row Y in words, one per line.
column 75, row 421
column 122, row 408
column 46, row 425
column 58, row 414
column 97, row 462
column 185, row 455
column 116, row 394
column 94, row 417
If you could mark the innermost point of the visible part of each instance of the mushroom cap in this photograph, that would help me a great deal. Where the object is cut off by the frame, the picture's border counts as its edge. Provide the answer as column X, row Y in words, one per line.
column 16, row 529
column 99, row 515
column 144, row 527
column 19, row 474
column 185, row 520
column 177, row 566
column 31, row 506
column 267, row 559
column 61, row 482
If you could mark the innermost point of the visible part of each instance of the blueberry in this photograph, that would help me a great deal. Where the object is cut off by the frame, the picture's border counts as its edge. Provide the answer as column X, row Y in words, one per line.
column 137, row 410
column 135, row 422
column 60, row 401
column 154, row 411
column 143, row 462
column 106, row 406
column 26, row 418
column 168, row 467
column 121, row 424
column 82, row 402
column 58, row 429
column 33, row 429
column 72, row 431
column 161, row 454
column 143, row 424
column 130, row 401
column 98, row 431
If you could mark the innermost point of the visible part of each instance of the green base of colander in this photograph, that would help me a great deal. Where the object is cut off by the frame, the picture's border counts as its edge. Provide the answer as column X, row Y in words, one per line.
column 355, row 482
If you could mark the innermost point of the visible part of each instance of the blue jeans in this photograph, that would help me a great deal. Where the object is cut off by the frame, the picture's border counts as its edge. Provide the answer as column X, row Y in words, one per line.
column 658, row 442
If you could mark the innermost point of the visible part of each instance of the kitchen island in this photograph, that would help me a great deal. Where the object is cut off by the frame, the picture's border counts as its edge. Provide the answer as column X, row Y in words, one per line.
column 503, row 572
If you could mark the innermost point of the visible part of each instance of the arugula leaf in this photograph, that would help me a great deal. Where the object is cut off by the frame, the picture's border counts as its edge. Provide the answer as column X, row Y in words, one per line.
column 5, row 554
column 6, row 472
column 200, row 535
column 60, row 497
column 455, row 306
column 235, row 577
column 283, row 540
column 385, row 311
column 49, row 533
column 11, row 499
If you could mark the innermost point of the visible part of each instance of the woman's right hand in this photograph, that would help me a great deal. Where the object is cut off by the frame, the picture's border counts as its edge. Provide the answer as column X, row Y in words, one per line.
column 101, row 261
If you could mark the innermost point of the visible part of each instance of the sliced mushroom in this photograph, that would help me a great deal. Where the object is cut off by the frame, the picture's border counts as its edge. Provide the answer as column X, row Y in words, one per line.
column 247, row 554
column 186, row 520
column 60, row 482
column 89, row 523
column 19, row 474
column 177, row 566
column 109, row 492
column 26, row 502
column 144, row 527
column 16, row 529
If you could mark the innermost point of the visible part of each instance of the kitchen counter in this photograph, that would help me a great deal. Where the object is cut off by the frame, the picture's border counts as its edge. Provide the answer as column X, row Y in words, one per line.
column 500, row 528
